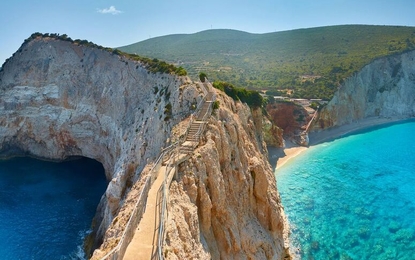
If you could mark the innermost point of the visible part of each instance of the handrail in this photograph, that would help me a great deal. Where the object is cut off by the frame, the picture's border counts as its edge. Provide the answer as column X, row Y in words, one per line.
column 163, row 210
column 207, row 113
column 113, row 252
column 204, row 87
column 166, row 183
column 194, row 115
column 176, row 154
column 311, row 121
column 120, row 248
column 165, row 186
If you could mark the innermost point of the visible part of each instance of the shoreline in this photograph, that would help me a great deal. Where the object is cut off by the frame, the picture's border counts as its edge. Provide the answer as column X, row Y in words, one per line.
column 281, row 156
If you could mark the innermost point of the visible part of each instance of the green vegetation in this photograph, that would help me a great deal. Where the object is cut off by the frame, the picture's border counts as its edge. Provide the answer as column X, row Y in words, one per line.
column 153, row 65
column 306, row 63
column 167, row 112
column 202, row 76
column 251, row 97
column 215, row 105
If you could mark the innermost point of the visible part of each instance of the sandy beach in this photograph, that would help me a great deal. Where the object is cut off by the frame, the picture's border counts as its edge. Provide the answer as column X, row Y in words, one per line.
column 280, row 156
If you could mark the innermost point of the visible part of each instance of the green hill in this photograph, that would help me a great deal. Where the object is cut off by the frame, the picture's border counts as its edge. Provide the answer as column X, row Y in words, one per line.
column 311, row 62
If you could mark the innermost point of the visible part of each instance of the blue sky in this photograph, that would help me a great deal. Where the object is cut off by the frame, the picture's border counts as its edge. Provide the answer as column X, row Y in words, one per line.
column 113, row 23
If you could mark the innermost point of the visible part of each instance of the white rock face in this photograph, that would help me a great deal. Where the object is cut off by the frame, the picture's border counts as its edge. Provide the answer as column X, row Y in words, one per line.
column 384, row 88
column 58, row 100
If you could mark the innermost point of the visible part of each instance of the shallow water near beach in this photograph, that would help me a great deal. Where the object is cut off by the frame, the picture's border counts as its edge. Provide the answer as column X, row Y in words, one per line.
column 354, row 197
column 46, row 208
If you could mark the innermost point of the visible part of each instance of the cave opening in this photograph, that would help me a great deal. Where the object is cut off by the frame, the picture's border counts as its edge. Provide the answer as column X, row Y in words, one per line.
column 46, row 208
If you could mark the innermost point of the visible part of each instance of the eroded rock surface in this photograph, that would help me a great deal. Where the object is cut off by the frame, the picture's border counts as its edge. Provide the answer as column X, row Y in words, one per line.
column 292, row 119
column 224, row 203
column 384, row 88
column 58, row 100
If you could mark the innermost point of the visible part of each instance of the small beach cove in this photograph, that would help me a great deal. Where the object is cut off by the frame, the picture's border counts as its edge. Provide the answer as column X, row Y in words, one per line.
column 346, row 202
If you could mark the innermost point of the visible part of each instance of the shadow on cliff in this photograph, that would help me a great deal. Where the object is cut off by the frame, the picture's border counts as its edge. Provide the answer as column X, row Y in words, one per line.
column 274, row 154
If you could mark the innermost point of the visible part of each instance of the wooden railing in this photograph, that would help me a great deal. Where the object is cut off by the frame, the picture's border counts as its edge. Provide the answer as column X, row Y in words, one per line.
column 119, row 250
column 173, row 166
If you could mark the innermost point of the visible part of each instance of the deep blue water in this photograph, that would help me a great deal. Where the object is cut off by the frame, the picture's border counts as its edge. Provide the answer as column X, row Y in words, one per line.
column 46, row 208
column 354, row 197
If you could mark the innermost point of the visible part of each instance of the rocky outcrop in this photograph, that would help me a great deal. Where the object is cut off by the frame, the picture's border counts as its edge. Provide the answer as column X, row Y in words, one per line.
column 224, row 203
column 59, row 99
column 273, row 135
column 292, row 119
column 384, row 88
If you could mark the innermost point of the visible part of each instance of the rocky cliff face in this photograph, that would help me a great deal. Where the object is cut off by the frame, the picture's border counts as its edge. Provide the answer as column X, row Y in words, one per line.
column 291, row 119
column 384, row 88
column 224, row 203
column 59, row 100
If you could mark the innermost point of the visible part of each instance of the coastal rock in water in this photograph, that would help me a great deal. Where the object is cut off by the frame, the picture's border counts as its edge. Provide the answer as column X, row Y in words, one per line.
column 224, row 203
column 384, row 88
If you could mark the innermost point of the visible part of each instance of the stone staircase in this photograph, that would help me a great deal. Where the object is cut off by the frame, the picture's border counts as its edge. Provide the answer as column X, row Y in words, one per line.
column 147, row 236
column 197, row 126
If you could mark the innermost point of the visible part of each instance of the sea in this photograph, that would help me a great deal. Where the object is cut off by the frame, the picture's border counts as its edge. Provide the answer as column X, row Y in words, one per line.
column 46, row 208
column 353, row 197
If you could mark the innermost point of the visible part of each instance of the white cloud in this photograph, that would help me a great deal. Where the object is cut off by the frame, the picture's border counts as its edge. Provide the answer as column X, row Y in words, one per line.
column 110, row 10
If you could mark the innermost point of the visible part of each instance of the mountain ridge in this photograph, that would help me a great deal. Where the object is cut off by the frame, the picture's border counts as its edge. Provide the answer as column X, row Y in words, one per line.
column 280, row 60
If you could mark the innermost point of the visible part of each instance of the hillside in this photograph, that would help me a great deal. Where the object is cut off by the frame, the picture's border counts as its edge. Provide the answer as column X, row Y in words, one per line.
column 312, row 62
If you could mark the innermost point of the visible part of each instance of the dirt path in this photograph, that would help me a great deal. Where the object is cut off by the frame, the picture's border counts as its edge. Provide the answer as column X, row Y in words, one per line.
column 141, row 246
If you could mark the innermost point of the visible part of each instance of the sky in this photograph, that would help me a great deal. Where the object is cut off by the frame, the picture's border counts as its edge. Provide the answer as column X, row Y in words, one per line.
column 113, row 23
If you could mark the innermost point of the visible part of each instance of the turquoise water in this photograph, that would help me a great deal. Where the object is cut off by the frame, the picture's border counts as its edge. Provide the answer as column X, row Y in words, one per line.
column 46, row 208
column 354, row 197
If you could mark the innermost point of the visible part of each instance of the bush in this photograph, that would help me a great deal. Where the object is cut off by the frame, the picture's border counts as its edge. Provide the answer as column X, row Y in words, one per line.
column 314, row 105
column 167, row 112
column 215, row 105
column 251, row 97
column 202, row 76
column 180, row 71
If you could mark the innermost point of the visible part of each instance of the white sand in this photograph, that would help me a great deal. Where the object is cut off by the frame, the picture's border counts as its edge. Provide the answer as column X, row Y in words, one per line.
column 291, row 150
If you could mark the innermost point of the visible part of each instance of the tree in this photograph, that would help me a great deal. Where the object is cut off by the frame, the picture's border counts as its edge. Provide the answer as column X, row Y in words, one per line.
column 202, row 76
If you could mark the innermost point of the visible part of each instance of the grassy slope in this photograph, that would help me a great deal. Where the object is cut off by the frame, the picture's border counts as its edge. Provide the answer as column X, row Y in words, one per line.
column 278, row 60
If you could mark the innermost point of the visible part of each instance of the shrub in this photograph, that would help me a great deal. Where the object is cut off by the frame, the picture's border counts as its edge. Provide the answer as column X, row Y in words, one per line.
column 202, row 76
column 167, row 112
column 251, row 97
column 215, row 105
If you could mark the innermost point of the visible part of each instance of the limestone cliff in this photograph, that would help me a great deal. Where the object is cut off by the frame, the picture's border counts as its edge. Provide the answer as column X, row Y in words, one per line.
column 383, row 88
column 59, row 99
column 224, row 203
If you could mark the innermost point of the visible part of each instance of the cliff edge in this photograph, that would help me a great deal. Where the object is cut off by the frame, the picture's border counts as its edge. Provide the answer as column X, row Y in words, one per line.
column 224, row 202
column 384, row 88
column 60, row 99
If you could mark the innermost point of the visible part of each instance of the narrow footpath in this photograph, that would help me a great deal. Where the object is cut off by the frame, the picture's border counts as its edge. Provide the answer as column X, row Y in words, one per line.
column 143, row 245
